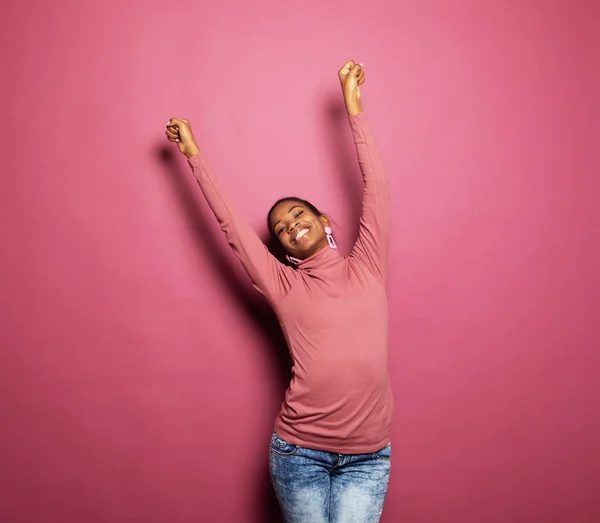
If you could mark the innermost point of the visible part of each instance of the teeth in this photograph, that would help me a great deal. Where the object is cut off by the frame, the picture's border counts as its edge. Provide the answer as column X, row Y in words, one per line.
column 301, row 233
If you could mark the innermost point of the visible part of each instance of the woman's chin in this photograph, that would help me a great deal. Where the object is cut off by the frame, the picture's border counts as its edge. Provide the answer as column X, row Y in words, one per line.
column 306, row 252
column 300, row 253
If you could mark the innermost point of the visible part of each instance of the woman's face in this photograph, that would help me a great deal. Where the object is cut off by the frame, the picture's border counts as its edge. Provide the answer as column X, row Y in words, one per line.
column 300, row 231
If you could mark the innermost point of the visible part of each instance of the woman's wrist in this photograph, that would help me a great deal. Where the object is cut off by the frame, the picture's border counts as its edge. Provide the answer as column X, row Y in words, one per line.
column 193, row 150
column 353, row 106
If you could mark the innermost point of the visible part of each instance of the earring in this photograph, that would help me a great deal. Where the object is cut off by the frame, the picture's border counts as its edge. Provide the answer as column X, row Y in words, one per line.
column 330, row 239
column 293, row 260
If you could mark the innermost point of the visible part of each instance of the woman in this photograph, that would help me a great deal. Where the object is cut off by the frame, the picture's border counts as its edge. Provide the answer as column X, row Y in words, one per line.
column 330, row 451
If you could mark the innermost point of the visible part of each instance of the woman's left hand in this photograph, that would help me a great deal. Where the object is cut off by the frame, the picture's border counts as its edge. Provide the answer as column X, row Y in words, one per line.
column 352, row 75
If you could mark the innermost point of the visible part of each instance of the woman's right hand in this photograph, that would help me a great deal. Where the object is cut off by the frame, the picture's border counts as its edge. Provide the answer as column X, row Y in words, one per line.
column 179, row 131
column 352, row 75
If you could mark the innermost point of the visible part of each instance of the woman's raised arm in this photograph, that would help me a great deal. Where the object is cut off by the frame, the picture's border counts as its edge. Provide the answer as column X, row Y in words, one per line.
column 268, row 275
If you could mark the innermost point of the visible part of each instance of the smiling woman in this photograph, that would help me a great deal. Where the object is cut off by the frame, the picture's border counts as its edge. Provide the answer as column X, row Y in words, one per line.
column 330, row 451
column 300, row 227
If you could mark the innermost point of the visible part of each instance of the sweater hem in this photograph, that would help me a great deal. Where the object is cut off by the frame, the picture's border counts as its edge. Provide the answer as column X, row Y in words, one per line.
column 333, row 447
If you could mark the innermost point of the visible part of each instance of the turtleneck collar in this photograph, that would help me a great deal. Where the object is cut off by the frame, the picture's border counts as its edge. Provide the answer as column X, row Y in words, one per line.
column 326, row 257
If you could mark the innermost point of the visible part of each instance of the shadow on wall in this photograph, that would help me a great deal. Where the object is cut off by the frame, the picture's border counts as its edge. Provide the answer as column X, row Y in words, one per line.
column 344, row 155
column 222, row 263
column 261, row 314
column 339, row 142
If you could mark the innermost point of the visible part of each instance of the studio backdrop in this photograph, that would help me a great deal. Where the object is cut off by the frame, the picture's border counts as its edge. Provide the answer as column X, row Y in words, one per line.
column 140, row 373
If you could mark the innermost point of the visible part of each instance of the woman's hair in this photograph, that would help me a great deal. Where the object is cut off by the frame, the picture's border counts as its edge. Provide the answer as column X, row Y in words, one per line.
column 302, row 202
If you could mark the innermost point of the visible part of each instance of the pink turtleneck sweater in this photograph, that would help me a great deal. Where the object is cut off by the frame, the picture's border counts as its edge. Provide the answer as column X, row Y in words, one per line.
column 333, row 312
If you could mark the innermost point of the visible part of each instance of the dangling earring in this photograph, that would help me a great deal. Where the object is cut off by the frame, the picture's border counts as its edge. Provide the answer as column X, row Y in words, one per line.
column 293, row 260
column 330, row 239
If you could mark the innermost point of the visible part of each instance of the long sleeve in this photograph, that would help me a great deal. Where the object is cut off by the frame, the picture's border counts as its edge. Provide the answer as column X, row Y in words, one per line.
column 270, row 277
column 371, row 247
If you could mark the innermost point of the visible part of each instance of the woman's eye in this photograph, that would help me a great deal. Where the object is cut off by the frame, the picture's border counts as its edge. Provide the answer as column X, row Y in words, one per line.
column 298, row 214
column 281, row 230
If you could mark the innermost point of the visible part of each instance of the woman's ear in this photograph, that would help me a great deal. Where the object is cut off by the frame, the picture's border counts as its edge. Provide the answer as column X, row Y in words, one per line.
column 324, row 220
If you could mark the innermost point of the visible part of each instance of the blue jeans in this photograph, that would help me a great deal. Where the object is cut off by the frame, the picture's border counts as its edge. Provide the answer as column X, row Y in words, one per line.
column 314, row 486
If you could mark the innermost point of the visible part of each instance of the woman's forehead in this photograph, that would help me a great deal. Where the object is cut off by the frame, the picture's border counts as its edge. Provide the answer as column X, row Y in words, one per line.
column 286, row 207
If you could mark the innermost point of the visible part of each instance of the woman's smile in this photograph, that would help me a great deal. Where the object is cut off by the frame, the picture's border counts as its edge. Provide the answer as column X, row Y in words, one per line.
column 300, row 233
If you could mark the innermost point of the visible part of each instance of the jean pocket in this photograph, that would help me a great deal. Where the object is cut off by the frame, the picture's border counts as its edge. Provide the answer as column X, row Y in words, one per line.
column 282, row 447
column 384, row 453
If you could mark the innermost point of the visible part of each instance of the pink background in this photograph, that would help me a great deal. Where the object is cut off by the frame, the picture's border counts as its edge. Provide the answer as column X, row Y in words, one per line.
column 140, row 373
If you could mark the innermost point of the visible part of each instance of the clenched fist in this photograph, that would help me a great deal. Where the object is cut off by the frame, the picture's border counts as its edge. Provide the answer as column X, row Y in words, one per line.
column 179, row 131
column 351, row 76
